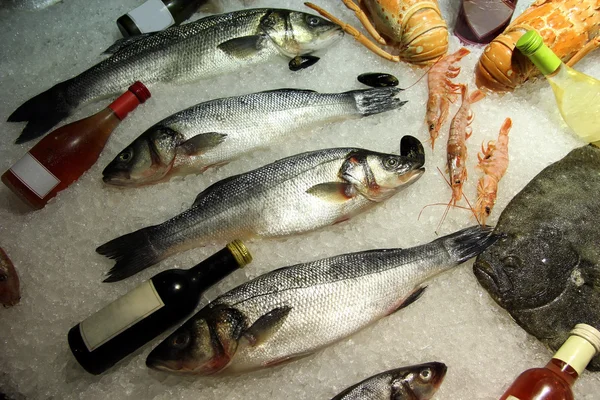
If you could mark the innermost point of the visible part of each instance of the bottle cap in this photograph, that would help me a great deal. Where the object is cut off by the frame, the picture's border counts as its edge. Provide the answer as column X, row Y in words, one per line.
column 140, row 91
column 240, row 252
column 588, row 333
column 532, row 45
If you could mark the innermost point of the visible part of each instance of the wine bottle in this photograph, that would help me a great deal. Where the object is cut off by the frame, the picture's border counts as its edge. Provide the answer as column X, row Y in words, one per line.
column 61, row 157
column 480, row 21
column 577, row 95
column 554, row 381
column 156, row 15
column 156, row 305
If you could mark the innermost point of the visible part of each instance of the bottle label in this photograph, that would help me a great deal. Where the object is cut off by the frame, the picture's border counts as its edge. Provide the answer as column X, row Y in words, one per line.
column 152, row 16
column 576, row 352
column 34, row 175
column 512, row 398
column 120, row 315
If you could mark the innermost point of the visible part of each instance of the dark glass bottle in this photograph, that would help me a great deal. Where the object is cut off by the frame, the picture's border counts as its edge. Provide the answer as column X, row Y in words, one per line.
column 554, row 381
column 60, row 158
column 156, row 305
column 156, row 15
column 480, row 21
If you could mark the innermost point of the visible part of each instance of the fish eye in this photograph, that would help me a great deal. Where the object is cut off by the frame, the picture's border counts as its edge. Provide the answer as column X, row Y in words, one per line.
column 181, row 340
column 391, row 162
column 425, row 375
column 3, row 278
column 313, row 21
column 125, row 156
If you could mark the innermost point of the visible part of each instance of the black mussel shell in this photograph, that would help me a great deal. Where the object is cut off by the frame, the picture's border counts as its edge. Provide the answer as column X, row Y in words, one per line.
column 301, row 62
column 411, row 147
column 378, row 79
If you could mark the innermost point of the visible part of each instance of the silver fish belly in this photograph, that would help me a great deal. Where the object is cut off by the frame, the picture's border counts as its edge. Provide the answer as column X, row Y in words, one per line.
column 297, row 194
column 203, row 48
column 217, row 131
column 294, row 311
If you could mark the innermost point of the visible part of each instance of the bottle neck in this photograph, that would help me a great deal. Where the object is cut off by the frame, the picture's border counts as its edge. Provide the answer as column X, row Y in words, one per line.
column 214, row 268
column 575, row 353
column 545, row 60
column 124, row 104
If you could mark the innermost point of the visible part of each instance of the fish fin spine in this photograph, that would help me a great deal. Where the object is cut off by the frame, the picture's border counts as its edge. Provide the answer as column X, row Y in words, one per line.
column 334, row 192
column 199, row 144
column 408, row 300
column 266, row 326
column 243, row 47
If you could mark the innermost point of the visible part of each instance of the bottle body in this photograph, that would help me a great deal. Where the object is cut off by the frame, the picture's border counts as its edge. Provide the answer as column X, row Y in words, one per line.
column 156, row 15
column 480, row 21
column 62, row 156
column 126, row 324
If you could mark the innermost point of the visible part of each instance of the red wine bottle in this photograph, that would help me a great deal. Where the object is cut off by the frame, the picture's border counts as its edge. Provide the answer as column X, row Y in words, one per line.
column 156, row 305
column 156, row 15
column 60, row 158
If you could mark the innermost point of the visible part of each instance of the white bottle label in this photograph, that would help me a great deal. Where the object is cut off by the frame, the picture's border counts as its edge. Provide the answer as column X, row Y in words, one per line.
column 152, row 16
column 34, row 175
column 120, row 315
column 512, row 398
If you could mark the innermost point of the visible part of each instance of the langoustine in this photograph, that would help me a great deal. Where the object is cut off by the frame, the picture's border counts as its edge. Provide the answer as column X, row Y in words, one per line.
column 442, row 91
column 570, row 28
column 415, row 28
column 493, row 161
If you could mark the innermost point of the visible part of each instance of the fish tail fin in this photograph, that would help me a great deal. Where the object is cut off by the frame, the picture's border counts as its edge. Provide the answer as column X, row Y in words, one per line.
column 469, row 242
column 42, row 112
column 377, row 100
column 132, row 252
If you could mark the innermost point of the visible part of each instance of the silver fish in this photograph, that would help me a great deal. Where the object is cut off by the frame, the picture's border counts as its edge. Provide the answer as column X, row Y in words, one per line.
column 295, row 311
column 198, row 50
column 215, row 132
column 27, row 4
column 417, row 382
column 9, row 282
column 297, row 194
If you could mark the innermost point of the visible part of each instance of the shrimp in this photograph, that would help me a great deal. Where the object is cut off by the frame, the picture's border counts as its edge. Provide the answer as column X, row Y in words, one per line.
column 442, row 91
column 460, row 131
column 415, row 28
column 493, row 161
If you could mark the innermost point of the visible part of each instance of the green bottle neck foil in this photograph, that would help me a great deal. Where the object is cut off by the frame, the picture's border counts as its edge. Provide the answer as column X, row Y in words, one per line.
column 532, row 45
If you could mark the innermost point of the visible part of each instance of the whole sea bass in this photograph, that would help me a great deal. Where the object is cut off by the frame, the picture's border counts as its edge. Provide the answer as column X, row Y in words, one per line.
column 215, row 132
column 417, row 382
column 297, row 310
column 197, row 50
column 297, row 194
column 545, row 271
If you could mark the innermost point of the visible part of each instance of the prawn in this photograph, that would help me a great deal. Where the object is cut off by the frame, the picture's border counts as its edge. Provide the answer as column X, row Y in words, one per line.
column 442, row 91
column 493, row 161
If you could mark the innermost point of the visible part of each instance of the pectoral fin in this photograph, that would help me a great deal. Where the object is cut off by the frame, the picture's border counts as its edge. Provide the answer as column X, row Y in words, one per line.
column 334, row 192
column 201, row 143
column 266, row 326
column 243, row 47
column 408, row 300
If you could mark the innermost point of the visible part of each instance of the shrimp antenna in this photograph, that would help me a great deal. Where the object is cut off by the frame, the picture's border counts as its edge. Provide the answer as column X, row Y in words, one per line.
column 424, row 75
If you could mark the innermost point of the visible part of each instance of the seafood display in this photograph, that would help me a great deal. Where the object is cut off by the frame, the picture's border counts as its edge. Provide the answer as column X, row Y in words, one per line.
column 297, row 194
column 493, row 161
column 217, row 131
column 198, row 50
column 415, row 28
column 545, row 271
column 418, row 382
column 294, row 311
column 442, row 91
column 9, row 281
column 569, row 28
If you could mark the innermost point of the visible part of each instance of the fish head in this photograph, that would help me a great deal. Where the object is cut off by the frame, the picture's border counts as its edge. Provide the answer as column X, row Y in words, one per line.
column 527, row 270
column 145, row 161
column 9, row 282
column 204, row 345
column 378, row 176
column 417, row 381
column 296, row 33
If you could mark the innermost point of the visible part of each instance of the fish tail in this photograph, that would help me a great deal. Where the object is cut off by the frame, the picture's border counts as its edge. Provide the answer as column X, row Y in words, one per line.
column 132, row 252
column 469, row 242
column 43, row 111
column 378, row 100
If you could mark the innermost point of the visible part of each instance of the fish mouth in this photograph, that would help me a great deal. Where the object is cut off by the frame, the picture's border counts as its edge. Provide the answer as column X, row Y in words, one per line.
column 120, row 178
column 411, row 176
column 487, row 277
column 440, row 373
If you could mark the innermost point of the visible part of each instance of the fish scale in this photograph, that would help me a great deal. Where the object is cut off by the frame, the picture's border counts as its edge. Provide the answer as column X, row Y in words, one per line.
column 325, row 301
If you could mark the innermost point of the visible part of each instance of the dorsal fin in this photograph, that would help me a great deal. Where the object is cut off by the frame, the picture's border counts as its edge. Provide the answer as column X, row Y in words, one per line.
column 120, row 44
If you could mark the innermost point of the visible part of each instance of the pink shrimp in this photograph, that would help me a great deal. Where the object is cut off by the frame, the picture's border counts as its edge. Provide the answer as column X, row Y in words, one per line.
column 442, row 91
column 493, row 161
